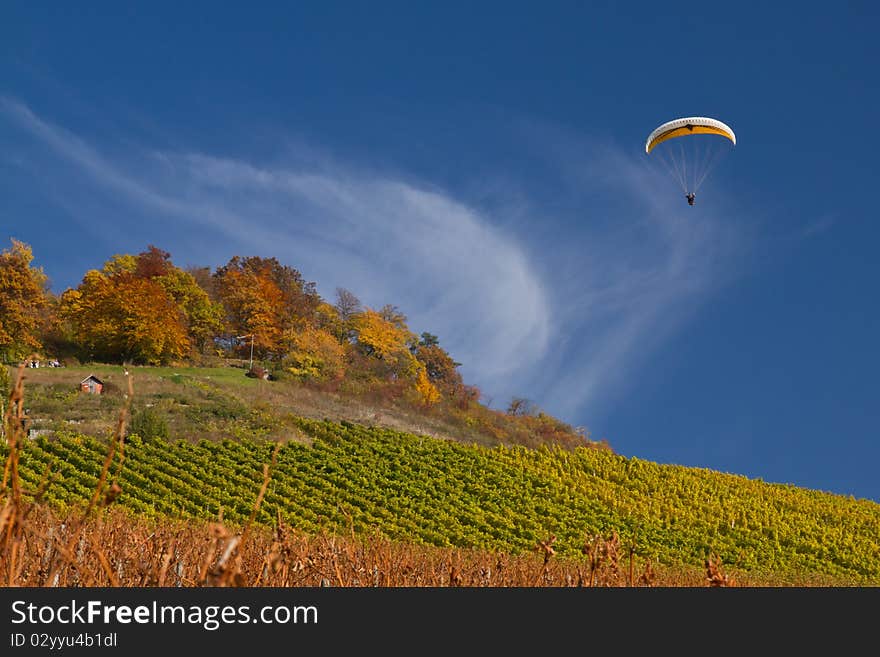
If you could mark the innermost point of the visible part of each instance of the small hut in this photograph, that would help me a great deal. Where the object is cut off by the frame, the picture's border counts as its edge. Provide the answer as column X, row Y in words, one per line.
column 91, row 384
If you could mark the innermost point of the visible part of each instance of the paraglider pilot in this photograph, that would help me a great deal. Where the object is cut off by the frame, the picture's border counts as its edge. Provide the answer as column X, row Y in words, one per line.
column 691, row 197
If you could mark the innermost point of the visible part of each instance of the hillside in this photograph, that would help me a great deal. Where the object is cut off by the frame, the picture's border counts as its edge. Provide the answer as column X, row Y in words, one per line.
column 221, row 402
column 259, row 315
column 345, row 476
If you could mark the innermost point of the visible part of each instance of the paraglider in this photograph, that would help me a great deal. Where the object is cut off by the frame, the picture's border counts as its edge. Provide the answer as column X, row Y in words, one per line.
column 690, row 160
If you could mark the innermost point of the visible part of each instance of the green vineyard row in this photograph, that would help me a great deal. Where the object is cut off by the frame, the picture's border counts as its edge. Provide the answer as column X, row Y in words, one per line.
column 445, row 493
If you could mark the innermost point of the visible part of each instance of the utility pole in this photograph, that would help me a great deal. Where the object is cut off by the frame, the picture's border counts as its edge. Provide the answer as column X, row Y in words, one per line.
column 251, row 336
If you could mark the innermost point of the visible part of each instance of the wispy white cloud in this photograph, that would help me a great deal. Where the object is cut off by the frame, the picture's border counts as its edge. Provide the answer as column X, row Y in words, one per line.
column 561, row 311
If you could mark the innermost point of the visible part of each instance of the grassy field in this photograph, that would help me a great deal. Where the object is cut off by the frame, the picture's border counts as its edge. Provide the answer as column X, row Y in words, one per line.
column 72, row 375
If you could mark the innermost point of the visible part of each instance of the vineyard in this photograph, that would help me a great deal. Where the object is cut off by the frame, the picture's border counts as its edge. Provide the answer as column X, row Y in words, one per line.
column 373, row 481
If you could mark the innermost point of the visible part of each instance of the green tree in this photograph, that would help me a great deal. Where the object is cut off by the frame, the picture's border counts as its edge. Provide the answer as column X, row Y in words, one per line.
column 429, row 340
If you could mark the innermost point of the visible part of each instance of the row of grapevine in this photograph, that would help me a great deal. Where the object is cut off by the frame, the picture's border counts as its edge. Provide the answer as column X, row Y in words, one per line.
column 440, row 492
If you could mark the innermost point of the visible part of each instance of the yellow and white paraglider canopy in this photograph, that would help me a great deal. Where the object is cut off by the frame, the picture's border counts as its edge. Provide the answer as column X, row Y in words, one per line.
column 689, row 161
column 691, row 125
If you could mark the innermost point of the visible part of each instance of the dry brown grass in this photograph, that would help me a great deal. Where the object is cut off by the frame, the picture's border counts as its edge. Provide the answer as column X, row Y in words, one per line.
column 114, row 549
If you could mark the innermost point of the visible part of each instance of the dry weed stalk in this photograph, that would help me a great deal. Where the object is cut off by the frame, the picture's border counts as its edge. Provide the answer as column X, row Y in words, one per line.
column 547, row 548
column 647, row 577
column 142, row 553
column 603, row 555
column 714, row 575
column 12, row 513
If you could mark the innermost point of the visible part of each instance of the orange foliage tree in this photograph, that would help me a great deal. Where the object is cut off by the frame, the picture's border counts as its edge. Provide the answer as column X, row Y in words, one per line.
column 263, row 298
column 141, row 309
column 120, row 317
column 203, row 317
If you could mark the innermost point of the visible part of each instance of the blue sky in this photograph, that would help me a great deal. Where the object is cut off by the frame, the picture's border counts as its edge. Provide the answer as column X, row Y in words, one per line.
column 482, row 166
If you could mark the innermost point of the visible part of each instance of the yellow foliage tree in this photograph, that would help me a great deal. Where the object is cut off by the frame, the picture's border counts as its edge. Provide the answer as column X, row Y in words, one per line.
column 327, row 317
column 428, row 393
column 203, row 316
column 315, row 353
column 23, row 296
column 387, row 342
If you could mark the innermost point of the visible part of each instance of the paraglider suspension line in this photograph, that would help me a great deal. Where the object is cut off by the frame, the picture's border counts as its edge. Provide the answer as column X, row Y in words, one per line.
column 673, row 168
column 714, row 154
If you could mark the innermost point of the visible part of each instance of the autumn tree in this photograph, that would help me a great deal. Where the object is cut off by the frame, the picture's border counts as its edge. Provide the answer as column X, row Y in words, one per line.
column 315, row 354
column 263, row 298
column 347, row 304
column 378, row 337
column 521, row 407
column 120, row 317
column 203, row 317
column 387, row 343
column 121, row 263
column 152, row 263
column 465, row 395
column 440, row 368
column 391, row 313
column 348, row 307
column 23, row 296
column 141, row 309
column 204, row 278
column 55, row 333
column 427, row 391
column 327, row 318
